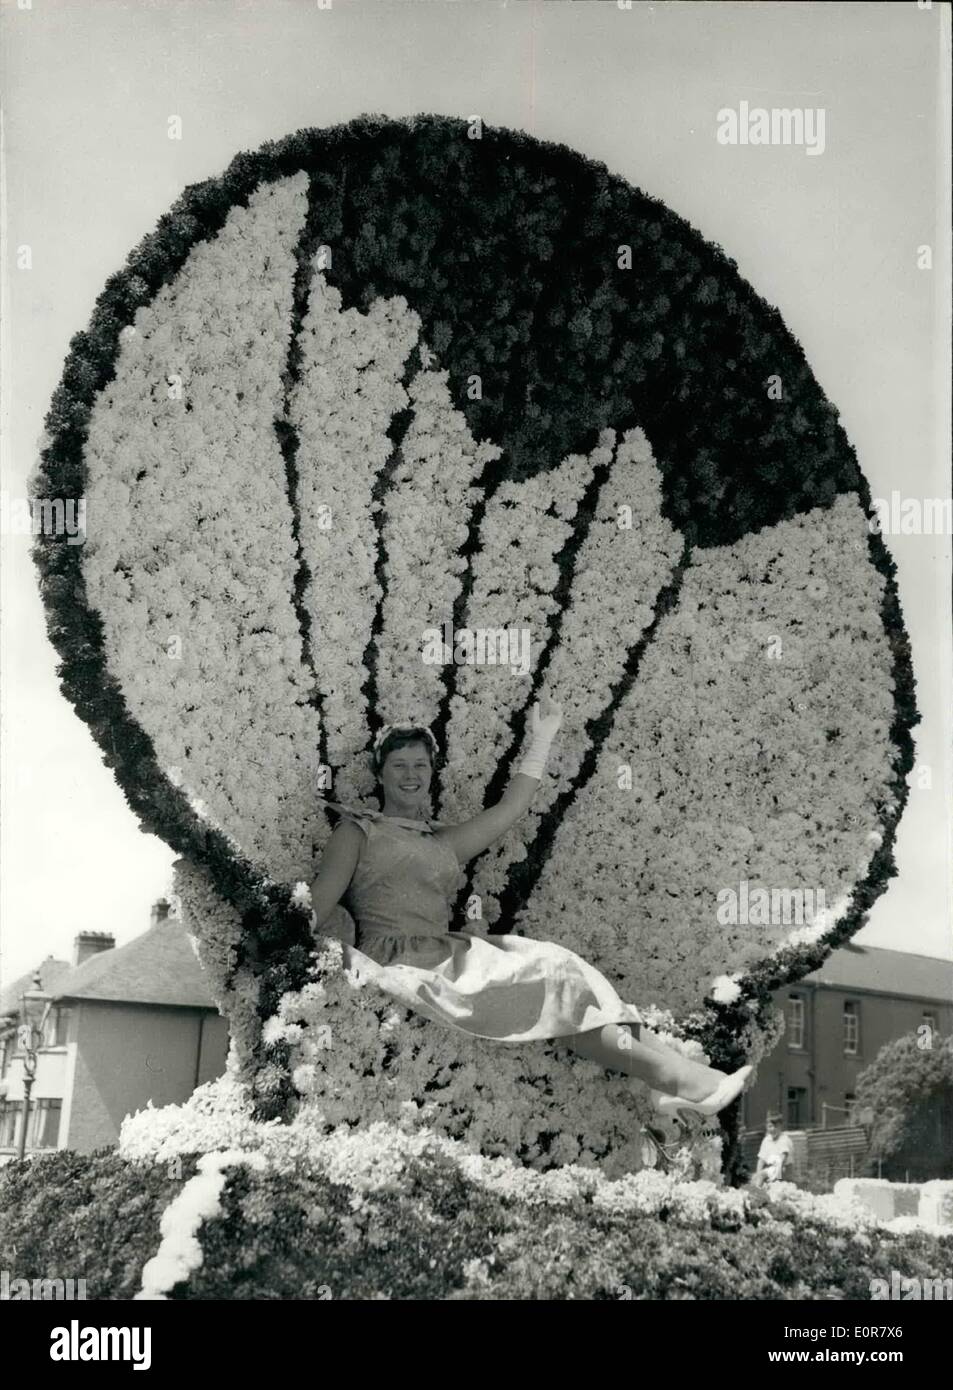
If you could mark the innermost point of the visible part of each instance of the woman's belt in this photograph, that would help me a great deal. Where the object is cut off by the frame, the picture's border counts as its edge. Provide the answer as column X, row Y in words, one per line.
column 374, row 929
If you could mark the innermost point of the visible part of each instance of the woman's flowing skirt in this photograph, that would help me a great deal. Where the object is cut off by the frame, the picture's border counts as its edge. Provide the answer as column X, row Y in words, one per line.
column 506, row 987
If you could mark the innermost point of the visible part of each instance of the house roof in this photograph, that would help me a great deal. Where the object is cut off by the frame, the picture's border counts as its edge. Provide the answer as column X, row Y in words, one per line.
column 51, row 972
column 158, row 967
column 887, row 972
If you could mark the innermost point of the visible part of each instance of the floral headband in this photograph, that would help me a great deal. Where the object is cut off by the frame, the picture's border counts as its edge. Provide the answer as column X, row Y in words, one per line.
column 405, row 728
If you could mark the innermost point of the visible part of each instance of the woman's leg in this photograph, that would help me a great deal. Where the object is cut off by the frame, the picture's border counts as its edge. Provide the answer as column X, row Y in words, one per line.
column 627, row 1048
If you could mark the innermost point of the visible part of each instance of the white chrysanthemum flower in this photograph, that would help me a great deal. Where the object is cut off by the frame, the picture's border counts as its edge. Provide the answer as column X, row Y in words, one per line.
column 301, row 894
column 273, row 1031
column 725, row 989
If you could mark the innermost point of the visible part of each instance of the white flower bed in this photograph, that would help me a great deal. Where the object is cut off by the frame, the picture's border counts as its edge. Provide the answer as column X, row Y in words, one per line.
column 218, row 1117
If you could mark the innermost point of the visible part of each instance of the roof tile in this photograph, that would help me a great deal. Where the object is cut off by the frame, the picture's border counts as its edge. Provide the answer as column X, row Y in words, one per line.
column 51, row 972
column 887, row 972
column 158, row 967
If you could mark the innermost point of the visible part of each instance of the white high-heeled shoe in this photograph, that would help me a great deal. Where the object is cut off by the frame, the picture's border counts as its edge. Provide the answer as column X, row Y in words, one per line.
column 723, row 1094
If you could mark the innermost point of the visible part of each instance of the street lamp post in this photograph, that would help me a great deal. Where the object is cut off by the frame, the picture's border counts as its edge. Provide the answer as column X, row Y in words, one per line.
column 29, row 1036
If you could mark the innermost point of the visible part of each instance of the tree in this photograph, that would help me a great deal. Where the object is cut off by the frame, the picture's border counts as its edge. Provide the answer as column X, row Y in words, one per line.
column 909, row 1087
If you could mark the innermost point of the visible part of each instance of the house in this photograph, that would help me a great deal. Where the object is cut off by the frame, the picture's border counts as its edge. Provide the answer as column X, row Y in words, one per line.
column 836, row 1021
column 123, row 1026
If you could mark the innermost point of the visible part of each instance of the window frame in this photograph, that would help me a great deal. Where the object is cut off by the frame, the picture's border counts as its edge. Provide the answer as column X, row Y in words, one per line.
column 59, row 1017
column 37, row 1120
column 795, row 1095
column 796, row 999
column 40, row 1111
column 8, row 1108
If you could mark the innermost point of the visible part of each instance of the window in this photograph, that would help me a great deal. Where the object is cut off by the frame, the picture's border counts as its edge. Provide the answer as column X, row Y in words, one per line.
column 851, row 1028
column 44, row 1131
column 10, row 1123
column 796, row 1022
column 797, row 1107
column 850, row 1108
column 929, row 1022
column 56, row 1027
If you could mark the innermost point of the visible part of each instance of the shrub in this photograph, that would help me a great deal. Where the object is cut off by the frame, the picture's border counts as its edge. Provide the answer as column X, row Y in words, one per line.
column 434, row 1233
column 71, row 1216
column 909, row 1087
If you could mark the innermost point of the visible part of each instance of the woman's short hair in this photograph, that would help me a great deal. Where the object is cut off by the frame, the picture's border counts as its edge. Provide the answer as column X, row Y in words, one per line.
column 401, row 738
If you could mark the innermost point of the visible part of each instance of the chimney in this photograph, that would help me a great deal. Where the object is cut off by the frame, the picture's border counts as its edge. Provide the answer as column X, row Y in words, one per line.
column 159, row 913
column 90, row 943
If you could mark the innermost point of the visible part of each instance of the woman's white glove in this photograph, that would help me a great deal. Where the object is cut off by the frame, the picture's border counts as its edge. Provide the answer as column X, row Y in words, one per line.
column 545, row 719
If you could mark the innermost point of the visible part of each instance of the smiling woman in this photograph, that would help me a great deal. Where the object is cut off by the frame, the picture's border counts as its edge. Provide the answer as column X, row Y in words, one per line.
column 405, row 758
column 508, row 989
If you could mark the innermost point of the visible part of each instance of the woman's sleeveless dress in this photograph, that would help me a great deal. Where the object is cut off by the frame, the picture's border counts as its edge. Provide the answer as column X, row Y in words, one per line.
column 509, row 988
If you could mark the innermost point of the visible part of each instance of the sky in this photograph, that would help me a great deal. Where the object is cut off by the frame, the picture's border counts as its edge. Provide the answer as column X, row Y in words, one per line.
column 87, row 166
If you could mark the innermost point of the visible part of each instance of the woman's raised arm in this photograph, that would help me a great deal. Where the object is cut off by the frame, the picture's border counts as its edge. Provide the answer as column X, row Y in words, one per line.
column 472, row 837
column 338, row 862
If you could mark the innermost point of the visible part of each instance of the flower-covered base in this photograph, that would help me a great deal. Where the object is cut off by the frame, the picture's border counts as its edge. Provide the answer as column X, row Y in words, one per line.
column 218, row 1121
column 357, row 1059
